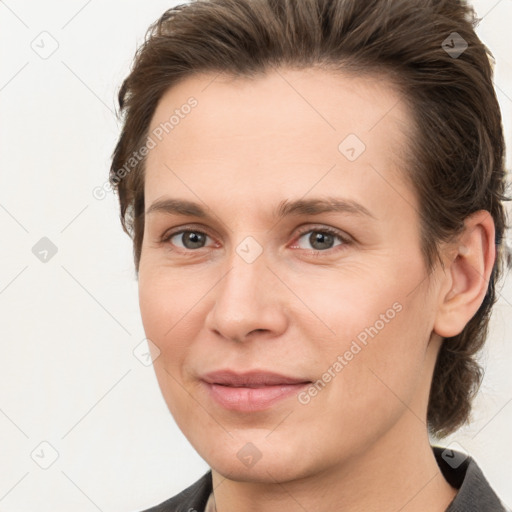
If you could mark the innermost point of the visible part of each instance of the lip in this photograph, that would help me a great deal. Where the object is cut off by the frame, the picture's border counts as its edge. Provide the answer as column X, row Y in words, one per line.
column 250, row 391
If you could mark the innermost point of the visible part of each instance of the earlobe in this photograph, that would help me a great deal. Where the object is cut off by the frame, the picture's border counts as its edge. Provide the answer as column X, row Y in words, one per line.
column 467, row 275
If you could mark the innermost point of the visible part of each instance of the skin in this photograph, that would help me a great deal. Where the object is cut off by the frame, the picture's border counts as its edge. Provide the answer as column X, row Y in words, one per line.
column 361, row 443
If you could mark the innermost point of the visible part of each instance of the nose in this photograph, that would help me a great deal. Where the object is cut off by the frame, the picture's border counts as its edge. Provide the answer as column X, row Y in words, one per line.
column 249, row 302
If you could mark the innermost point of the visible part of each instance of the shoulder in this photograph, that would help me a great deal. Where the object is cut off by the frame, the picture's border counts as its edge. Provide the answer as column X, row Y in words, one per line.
column 192, row 499
column 474, row 491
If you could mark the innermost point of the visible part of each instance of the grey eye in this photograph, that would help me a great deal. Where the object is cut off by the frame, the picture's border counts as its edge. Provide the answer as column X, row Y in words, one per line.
column 190, row 239
column 319, row 240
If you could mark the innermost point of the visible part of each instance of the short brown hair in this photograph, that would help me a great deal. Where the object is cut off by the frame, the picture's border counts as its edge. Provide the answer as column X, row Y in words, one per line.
column 457, row 146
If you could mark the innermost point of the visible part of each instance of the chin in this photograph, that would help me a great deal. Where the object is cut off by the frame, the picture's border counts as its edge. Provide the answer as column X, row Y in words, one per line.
column 265, row 472
column 243, row 460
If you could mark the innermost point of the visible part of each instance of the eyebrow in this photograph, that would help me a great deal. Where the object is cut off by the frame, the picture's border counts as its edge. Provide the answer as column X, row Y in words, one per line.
column 313, row 206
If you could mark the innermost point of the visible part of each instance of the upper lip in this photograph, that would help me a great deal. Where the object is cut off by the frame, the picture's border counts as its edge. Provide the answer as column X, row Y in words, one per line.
column 253, row 378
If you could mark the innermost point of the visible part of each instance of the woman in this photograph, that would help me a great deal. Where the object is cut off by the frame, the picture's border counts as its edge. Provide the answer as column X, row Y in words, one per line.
column 314, row 190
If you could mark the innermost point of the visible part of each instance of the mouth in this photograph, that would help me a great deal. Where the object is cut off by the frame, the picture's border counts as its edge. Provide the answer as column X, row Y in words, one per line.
column 251, row 391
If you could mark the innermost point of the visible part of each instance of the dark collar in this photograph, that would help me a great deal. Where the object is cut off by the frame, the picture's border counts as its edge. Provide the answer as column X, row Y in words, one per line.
column 462, row 472
column 192, row 499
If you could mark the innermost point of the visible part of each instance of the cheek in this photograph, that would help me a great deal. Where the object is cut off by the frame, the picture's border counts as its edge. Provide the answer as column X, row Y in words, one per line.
column 350, row 305
column 164, row 304
column 383, row 361
column 379, row 333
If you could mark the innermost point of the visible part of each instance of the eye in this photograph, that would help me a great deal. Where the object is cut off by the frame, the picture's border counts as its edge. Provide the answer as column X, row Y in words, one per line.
column 320, row 239
column 187, row 239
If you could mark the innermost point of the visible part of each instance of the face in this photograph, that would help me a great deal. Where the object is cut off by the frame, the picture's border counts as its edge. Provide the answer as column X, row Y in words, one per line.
column 294, row 269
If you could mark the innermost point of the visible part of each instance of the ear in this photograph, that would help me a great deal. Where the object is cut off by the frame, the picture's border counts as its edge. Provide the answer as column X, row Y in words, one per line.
column 467, row 273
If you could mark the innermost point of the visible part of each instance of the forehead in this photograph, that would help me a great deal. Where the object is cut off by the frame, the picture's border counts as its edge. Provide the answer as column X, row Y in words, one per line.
column 281, row 102
column 284, row 129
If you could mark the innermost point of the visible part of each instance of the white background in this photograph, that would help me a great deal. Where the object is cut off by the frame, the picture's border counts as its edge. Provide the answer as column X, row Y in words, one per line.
column 68, row 375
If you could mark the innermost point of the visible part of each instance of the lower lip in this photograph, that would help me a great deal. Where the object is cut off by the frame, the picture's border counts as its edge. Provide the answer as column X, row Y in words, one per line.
column 252, row 399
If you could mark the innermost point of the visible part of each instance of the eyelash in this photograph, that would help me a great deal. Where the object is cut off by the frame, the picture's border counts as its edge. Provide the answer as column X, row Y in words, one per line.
column 302, row 231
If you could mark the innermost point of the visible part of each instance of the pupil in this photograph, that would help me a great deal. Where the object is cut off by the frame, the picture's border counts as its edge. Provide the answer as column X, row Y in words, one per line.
column 324, row 239
column 193, row 240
